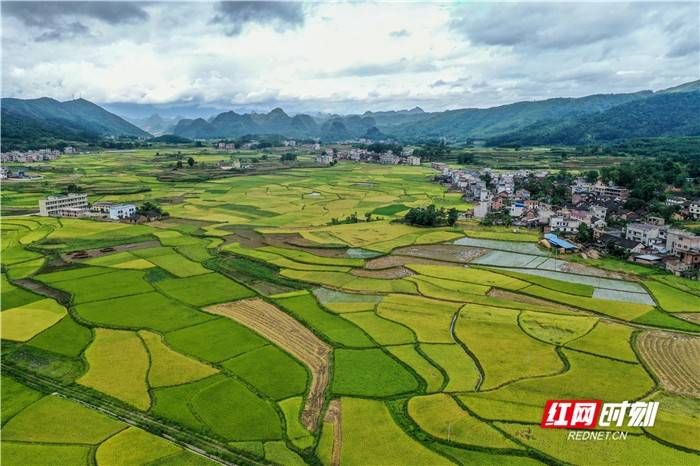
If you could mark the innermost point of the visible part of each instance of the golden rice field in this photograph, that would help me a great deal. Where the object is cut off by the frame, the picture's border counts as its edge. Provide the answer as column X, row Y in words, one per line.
column 251, row 326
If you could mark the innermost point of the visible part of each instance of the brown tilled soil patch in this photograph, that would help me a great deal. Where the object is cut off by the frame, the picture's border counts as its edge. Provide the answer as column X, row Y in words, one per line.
column 247, row 237
column 693, row 317
column 44, row 290
column 442, row 252
column 90, row 253
column 393, row 272
column 502, row 294
column 674, row 359
column 387, row 262
column 296, row 241
column 289, row 334
column 334, row 416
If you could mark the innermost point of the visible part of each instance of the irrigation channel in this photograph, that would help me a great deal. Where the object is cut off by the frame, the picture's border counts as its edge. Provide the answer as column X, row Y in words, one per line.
column 197, row 444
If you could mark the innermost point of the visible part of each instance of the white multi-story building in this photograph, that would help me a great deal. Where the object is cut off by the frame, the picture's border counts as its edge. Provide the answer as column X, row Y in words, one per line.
column 645, row 233
column 388, row 158
column 564, row 224
column 121, row 211
column 324, row 159
column 482, row 209
column 412, row 160
column 53, row 206
column 694, row 209
column 678, row 241
column 676, row 200
column 610, row 190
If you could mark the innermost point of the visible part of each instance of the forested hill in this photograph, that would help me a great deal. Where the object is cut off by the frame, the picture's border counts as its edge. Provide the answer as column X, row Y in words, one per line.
column 478, row 123
column 663, row 114
column 37, row 122
column 602, row 118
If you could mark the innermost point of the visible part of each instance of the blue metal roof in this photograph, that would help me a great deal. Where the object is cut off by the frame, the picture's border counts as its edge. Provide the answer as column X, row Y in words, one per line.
column 555, row 240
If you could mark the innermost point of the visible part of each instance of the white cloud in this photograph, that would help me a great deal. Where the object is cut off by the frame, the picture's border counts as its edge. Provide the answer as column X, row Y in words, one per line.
column 347, row 57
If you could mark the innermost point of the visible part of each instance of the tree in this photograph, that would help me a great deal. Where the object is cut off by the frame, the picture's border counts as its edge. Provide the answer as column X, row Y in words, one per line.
column 190, row 162
column 149, row 209
column 368, row 216
column 73, row 188
column 465, row 159
column 591, row 176
column 178, row 164
column 584, row 234
column 486, row 178
column 452, row 216
column 426, row 216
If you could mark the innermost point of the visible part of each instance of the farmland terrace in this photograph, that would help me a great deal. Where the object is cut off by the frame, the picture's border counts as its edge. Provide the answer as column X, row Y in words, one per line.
column 246, row 328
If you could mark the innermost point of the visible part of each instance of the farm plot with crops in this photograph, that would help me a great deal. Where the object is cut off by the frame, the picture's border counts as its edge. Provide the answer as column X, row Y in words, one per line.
column 256, row 325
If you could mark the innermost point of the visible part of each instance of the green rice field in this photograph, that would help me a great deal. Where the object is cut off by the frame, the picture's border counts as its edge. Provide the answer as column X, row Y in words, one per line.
column 248, row 328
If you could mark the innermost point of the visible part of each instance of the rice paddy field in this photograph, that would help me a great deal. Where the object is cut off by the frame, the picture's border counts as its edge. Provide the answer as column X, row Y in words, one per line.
column 248, row 328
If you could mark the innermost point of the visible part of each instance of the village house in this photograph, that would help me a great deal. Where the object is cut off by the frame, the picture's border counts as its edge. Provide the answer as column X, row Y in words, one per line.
column 563, row 224
column 70, row 205
column 645, row 233
column 412, row 160
column 679, row 241
column 388, row 158
column 694, row 210
column 324, row 159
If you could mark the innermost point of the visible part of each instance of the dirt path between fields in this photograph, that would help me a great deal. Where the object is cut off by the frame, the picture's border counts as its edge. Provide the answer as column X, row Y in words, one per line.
column 334, row 416
column 393, row 272
column 292, row 336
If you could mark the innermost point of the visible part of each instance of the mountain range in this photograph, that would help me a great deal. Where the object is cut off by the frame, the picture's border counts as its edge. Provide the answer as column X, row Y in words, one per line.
column 155, row 124
column 601, row 118
column 597, row 118
column 42, row 122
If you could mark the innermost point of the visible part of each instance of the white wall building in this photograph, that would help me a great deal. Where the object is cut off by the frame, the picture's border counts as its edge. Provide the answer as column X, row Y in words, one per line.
column 678, row 241
column 324, row 159
column 694, row 209
column 121, row 211
column 644, row 233
column 563, row 224
column 53, row 205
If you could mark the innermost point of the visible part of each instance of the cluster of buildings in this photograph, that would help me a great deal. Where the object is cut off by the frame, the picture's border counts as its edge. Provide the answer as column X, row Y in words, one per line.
column 226, row 146
column 31, row 156
column 654, row 243
column 231, row 147
column 76, row 205
column 355, row 154
column 645, row 238
column 498, row 194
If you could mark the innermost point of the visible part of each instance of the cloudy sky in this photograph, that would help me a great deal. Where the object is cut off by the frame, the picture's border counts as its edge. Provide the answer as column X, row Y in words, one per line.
column 341, row 57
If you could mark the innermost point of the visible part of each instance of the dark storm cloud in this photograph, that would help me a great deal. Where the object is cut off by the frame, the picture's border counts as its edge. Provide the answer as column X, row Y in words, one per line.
column 552, row 25
column 47, row 14
column 56, row 20
column 686, row 46
column 63, row 32
column 235, row 15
